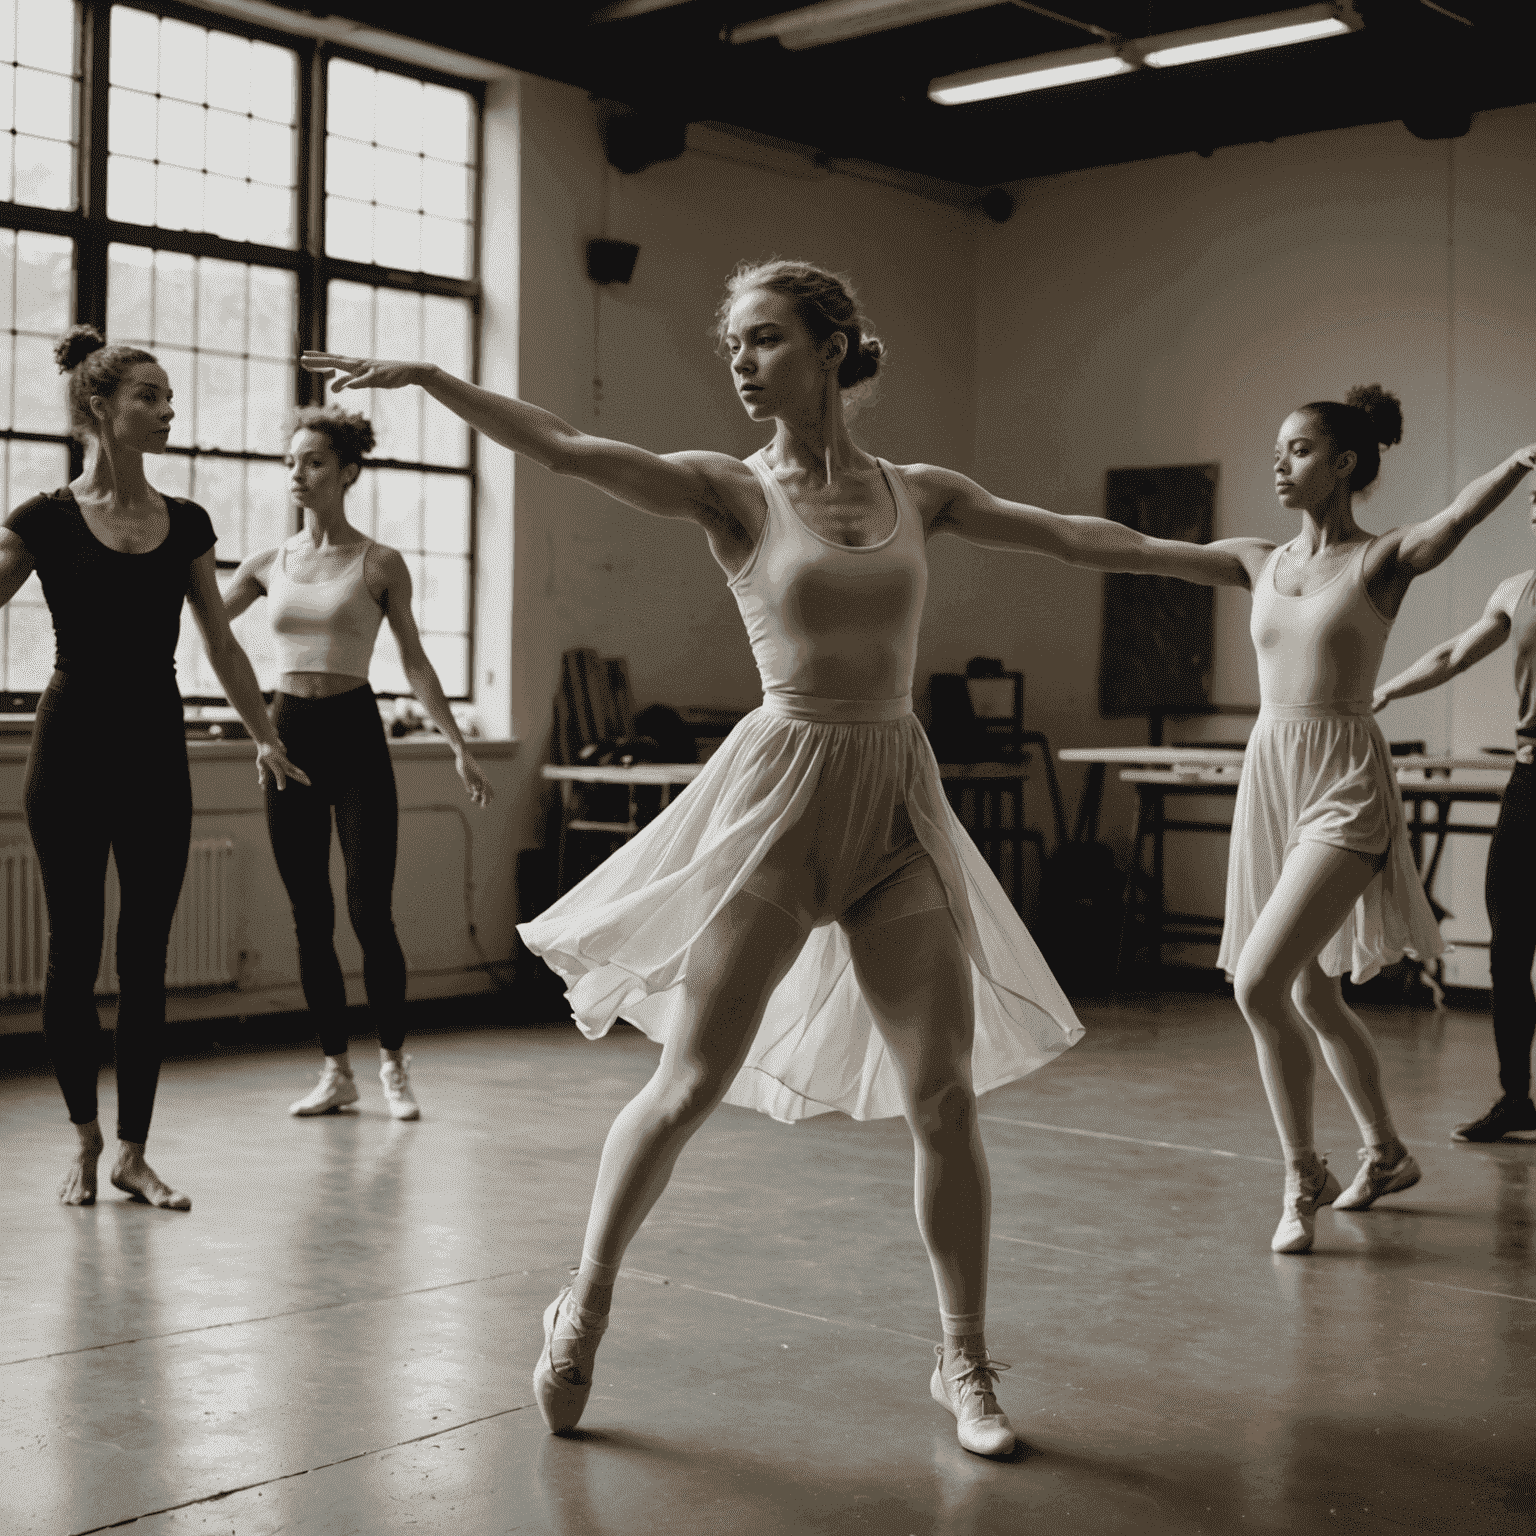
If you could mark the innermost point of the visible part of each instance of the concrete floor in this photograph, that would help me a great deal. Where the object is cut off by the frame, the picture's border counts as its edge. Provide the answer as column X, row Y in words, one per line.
column 338, row 1338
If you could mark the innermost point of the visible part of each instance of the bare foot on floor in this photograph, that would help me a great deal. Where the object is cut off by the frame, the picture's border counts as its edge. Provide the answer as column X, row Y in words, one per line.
column 132, row 1175
column 78, row 1186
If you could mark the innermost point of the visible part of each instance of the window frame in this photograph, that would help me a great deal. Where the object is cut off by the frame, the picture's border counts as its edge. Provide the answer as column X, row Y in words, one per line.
column 94, row 233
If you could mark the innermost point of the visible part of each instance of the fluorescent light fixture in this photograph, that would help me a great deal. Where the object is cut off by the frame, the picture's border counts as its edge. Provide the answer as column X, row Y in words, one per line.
column 835, row 21
column 1247, row 35
column 1042, row 73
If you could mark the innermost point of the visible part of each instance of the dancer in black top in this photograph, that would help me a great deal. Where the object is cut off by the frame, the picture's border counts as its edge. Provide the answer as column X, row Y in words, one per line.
column 108, row 767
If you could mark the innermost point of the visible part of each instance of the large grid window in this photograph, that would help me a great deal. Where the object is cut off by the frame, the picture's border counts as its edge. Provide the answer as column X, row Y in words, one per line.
column 250, row 193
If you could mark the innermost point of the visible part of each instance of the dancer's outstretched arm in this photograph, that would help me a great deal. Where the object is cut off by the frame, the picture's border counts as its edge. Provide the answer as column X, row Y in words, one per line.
column 1403, row 553
column 1455, row 655
column 667, row 485
column 955, row 504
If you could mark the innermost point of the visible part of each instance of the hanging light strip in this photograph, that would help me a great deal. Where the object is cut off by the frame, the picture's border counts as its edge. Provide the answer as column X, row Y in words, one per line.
column 1222, row 39
column 1044, row 72
column 1073, row 66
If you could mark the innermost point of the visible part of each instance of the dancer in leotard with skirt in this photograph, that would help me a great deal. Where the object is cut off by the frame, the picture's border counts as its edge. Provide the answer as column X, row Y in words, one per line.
column 1320, row 876
column 1509, row 882
column 328, row 589
column 809, row 927
column 108, row 766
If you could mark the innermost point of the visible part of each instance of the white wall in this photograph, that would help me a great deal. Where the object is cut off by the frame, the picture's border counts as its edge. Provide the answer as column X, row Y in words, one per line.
column 1173, row 311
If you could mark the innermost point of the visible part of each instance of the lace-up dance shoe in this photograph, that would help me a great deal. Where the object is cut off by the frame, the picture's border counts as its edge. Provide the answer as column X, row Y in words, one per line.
column 562, row 1380
column 1303, row 1196
column 968, row 1394
column 334, row 1090
column 1507, row 1117
column 1373, row 1180
column 397, row 1090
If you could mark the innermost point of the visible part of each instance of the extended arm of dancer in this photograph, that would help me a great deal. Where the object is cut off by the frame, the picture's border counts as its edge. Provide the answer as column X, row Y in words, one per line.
column 1455, row 655
column 232, row 667
column 977, row 516
column 422, row 675
column 665, row 485
column 15, row 565
column 1420, row 547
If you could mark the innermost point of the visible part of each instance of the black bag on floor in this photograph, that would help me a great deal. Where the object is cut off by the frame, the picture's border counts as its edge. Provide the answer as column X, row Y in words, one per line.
column 1082, row 902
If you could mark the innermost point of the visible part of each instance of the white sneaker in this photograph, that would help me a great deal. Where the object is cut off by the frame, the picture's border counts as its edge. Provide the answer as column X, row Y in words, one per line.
column 968, row 1394
column 397, row 1090
column 334, row 1090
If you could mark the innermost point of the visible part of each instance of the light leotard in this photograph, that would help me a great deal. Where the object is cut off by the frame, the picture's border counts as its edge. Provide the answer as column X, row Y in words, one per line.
column 827, row 803
column 1317, row 769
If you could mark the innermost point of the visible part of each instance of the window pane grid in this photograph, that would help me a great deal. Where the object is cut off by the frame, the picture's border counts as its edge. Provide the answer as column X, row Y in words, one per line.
column 202, row 130
column 39, row 101
column 203, row 138
column 400, row 171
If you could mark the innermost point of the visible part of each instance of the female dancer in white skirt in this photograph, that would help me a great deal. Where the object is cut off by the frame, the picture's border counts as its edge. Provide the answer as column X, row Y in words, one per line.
column 1320, row 878
column 809, row 927
column 1507, row 886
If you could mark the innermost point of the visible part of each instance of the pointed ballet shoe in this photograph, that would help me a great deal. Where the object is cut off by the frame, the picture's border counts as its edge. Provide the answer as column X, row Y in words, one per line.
column 968, row 1394
column 562, row 1381
column 1373, row 1180
column 1303, row 1197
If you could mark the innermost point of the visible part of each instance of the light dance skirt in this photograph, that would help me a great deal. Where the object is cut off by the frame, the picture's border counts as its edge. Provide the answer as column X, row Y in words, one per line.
column 1323, row 774
column 621, row 938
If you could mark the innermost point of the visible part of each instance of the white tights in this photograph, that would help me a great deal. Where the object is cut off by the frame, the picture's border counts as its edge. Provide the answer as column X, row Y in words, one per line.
column 1286, row 998
column 916, row 976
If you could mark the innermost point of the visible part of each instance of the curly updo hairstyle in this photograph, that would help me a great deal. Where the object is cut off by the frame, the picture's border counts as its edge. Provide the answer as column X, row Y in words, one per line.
column 825, row 302
column 349, row 433
column 1370, row 419
column 94, row 368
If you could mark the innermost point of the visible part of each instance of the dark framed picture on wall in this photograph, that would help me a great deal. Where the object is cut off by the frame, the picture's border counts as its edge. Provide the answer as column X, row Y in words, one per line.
column 1159, row 633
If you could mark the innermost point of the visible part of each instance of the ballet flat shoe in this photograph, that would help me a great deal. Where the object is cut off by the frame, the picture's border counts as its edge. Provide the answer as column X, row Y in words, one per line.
column 1303, row 1198
column 983, row 1426
column 1373, row 1180
column 562, row 1397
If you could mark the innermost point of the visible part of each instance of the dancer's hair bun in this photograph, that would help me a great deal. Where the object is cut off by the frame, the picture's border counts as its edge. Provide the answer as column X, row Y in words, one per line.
column 1384, row 409
column 350, row 433
column 861, row 363
column 75, row 345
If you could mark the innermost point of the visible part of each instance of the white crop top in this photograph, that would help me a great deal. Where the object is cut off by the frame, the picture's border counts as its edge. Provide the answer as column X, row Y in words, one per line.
column 324, row 626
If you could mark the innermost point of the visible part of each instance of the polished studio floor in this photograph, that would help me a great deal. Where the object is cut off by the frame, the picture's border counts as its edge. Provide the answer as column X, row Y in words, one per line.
column 338, row 1338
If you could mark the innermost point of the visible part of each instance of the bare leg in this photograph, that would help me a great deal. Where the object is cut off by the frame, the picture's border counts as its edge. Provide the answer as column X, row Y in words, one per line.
column 1316, row 890
column 916, row 976
column 732, row 971
column 132, row 1175
column 1351, row 1056
column 78, row 1187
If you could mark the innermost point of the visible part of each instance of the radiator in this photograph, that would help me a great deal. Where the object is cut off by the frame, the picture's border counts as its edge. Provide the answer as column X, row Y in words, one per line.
column 201, row 931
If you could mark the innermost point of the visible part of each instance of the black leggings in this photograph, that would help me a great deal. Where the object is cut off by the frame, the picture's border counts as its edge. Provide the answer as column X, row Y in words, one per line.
column 108, row 769
column 339, row 742
column 1508, row 889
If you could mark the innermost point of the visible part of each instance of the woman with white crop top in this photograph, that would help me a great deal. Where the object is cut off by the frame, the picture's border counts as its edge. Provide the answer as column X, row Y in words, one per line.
column 1510, row 615
column 328, row 589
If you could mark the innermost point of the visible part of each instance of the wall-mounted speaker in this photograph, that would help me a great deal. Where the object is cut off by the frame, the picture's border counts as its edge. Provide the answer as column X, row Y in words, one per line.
column 611, row 261
column 998, row 205
column 633, row 139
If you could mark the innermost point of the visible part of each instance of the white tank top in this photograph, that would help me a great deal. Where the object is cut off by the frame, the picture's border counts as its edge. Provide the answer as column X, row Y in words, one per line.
column 324, row 626
column 834, row 628
column 1320, row 650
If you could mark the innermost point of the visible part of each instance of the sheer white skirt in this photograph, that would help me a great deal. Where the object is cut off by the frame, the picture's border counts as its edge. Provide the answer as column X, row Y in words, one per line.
column 621, row 938
column 1323, row 774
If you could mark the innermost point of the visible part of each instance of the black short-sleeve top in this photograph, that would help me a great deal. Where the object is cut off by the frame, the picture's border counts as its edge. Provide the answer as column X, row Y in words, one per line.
column 113, row 613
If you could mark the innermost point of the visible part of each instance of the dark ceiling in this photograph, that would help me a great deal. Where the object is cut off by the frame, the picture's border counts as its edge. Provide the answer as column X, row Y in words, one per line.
column 866, row 98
